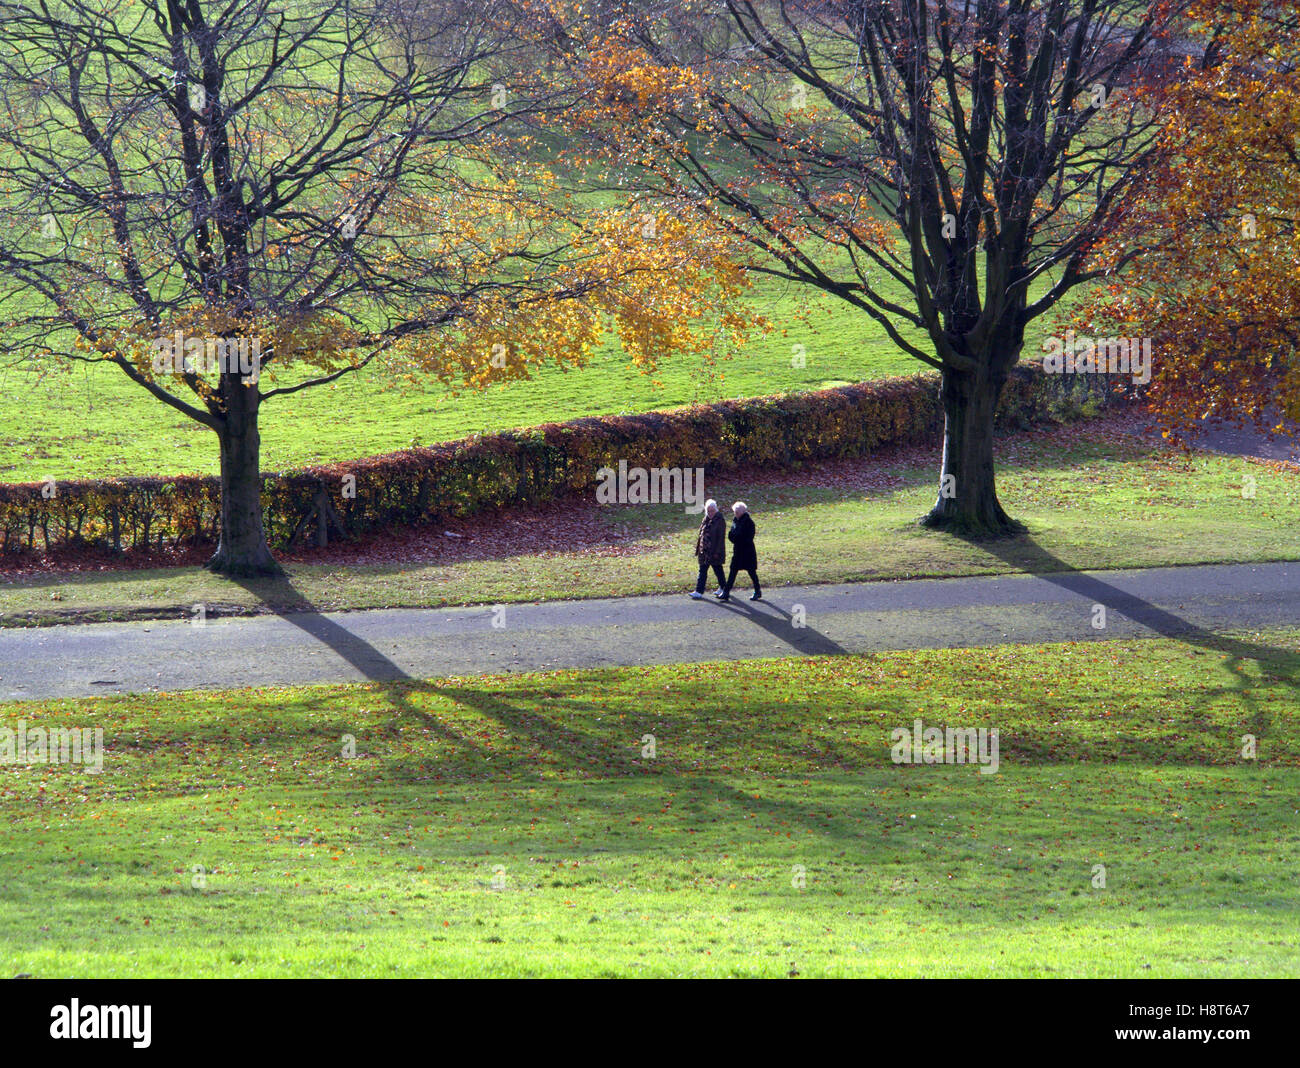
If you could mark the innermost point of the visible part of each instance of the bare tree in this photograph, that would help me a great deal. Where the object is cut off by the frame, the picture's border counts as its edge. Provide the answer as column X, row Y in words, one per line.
column 967, row 154
column 235, row 201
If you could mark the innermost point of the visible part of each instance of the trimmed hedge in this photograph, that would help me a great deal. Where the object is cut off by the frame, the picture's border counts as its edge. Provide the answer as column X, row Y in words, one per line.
column 526, row 466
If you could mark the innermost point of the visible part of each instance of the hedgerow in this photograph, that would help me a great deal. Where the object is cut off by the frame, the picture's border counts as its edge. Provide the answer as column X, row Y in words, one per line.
column 522, row 467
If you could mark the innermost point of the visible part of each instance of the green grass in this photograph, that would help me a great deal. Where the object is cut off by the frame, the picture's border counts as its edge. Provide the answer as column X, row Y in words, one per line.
column 92, row 422
column 1093, row 498
column 608, row 863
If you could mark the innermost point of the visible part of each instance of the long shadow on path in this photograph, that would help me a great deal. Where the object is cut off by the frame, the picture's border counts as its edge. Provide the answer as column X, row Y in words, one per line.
column 1053, row 569
column 1022, row 552
column 782, row 625
column 397, row 684
column 575, row 747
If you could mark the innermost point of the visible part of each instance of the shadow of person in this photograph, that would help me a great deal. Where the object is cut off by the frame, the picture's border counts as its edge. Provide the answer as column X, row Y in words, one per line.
column 799, row 636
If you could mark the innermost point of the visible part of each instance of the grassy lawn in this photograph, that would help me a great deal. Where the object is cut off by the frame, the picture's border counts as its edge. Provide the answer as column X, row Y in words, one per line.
column 511, row 826
column 92, row 422
column 1093, row 497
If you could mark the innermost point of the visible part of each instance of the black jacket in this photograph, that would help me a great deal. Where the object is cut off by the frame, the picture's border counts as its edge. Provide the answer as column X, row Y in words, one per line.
column 743, row 556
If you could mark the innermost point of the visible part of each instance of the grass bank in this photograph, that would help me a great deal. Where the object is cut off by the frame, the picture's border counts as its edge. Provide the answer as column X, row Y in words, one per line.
column 515, row 826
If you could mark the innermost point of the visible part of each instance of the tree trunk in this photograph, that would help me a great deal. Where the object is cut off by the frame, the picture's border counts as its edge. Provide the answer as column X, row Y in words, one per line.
column 242, row 548
column 968, row 500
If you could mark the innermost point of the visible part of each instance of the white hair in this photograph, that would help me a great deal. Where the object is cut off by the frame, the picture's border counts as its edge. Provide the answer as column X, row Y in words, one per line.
column 710, row 503
column 740, row 507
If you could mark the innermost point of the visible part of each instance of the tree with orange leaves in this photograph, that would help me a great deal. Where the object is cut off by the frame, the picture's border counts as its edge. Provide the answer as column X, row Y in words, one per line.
column 1217, row 287
column 232, row 202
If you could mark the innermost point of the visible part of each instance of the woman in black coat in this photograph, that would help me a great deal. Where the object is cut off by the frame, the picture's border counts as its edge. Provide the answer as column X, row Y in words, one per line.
column 743, row 555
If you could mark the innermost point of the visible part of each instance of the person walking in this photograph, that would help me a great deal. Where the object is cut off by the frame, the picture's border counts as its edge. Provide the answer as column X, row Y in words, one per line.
column 710, row 548
column 743, row 555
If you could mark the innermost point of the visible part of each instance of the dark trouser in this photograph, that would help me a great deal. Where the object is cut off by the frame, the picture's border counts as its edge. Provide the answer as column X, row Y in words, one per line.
column 731, row 578
column 704, row 574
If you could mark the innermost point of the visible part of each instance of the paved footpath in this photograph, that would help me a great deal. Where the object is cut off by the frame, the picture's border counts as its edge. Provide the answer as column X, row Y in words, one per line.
column 1191, row 603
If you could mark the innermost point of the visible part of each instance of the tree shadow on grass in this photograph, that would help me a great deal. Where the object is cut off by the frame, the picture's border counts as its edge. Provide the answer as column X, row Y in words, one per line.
column 575, row 749
column 393, row 680
column 606, row 759
column 1023, row 552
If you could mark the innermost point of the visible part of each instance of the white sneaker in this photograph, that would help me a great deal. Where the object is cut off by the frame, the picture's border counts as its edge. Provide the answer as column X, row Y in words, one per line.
column 696, row 596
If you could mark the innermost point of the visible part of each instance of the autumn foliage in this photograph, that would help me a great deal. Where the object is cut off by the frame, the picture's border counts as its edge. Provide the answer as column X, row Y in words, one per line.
column 946, row 169
column 521, row 467
column 1218, row 285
